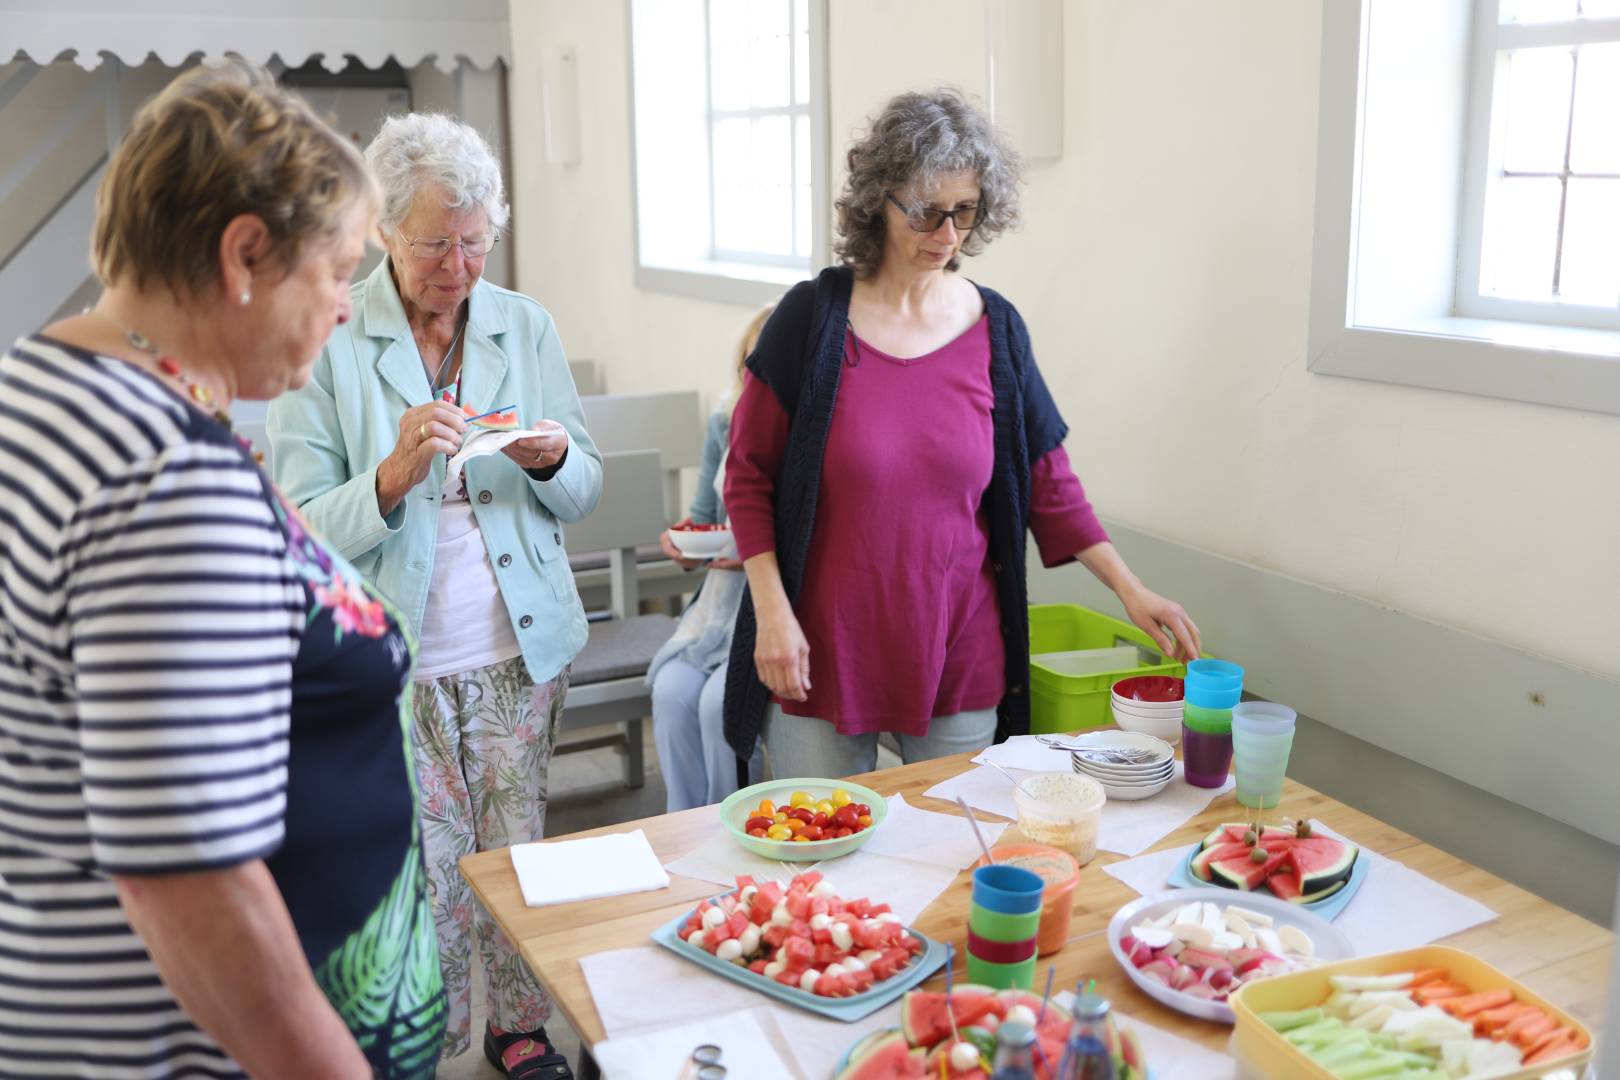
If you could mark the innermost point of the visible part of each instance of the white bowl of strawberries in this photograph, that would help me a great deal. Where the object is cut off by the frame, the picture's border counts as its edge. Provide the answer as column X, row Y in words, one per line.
column 1190, row 948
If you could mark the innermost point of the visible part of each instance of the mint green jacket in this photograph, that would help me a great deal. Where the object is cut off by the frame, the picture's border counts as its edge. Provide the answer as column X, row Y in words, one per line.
column 328, row 438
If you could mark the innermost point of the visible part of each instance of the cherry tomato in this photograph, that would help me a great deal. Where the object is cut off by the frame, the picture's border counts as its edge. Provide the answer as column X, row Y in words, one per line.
column 825, row 806
column 840, row 797
column 800, row 798
column 820, row 820
column 757, row 832
column 862, row 809
column 758, row 822
column 767, row 808
column 779, row 817
column 779, row 832
column 803, row 814
column 796, row 825
column 846, row 817
column 841, row 832
column 801, row 839
column 864, row 821
column 811, row 832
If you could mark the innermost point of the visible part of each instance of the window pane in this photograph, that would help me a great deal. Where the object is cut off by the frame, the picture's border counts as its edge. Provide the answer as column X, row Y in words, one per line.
column 1595, row 143
column 768, row 57
column 729, row 52
column 1521, row 238
column 1537, row 10
column 1591, row 267
column 801, row 51
column 1537, row 110
column 801, row 184
column 752, row 189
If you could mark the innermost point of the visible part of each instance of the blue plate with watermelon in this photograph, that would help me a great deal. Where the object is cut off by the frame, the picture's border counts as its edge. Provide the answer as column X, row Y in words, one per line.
column 1318, row 872
column 914, row 1050
column 814, row 930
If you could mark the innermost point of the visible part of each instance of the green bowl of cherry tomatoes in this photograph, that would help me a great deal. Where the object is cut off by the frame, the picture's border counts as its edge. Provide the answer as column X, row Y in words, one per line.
column 803, row 820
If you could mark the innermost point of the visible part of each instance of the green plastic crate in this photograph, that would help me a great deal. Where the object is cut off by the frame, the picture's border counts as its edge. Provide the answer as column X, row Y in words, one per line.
column 1061, row 702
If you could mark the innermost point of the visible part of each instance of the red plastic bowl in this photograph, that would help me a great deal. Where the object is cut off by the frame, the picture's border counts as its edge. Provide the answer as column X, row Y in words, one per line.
column 1151, row 688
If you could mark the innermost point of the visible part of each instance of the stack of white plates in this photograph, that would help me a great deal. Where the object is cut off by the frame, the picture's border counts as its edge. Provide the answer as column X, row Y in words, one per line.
column 1121, row 781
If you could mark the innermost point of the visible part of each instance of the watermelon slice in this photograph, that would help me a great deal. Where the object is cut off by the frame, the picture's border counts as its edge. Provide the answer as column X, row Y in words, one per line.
column 1320, row 894
column 925, row 1022
column 1201, row 861
column 885, row 1055
column 501, row 421
column 1284, row 885
column 1242, row 872
column 1321, row 861
column 1233, row 834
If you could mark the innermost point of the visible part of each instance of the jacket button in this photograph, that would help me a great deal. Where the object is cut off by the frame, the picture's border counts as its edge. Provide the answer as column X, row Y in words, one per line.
column 506, row 560
column 484, row 496
column 556, row 537
column 526, row 622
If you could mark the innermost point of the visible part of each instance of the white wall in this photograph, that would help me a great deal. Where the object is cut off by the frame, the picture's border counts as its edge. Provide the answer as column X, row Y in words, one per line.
column 1164, row 271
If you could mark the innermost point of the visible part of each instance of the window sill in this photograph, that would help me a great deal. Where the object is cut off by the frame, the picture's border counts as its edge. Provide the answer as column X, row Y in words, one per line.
column 1550, row 365
column 749, row 284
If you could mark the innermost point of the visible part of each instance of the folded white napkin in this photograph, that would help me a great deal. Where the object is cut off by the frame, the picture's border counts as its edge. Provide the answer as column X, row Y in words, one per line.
column 570, row 870
column 483, row 441
column 750, row 1042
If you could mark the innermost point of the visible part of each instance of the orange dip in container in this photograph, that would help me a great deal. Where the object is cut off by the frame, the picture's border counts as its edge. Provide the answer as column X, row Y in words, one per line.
column 1058, row 869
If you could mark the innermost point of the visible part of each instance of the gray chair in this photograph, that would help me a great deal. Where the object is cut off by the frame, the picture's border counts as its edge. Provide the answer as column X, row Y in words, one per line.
column 672, row 424
column 588, row 378
column 608, row 683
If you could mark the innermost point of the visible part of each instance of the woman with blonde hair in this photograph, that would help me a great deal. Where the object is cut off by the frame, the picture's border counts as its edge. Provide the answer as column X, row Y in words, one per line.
column 212, row 864
column 688, row 676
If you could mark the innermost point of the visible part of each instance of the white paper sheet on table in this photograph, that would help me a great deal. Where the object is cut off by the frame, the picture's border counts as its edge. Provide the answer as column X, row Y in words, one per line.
column 1128, row 828
column 569, row 870
column 750, row 1041
column 1395, row 908
column 647, row 987
column 912, row 858
column 1024, row 752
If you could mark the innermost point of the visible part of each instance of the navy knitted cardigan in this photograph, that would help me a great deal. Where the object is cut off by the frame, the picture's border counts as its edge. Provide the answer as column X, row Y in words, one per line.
column 799, row 357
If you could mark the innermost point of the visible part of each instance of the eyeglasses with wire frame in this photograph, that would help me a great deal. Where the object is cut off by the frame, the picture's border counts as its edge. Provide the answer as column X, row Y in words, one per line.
column 437, row 247
column 929, row 218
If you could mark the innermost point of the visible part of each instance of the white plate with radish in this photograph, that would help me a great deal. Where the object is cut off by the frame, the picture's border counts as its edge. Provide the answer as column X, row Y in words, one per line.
column 1190, row 948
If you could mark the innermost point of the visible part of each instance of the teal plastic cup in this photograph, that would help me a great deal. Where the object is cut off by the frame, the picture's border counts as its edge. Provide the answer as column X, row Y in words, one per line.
column 1262, row 736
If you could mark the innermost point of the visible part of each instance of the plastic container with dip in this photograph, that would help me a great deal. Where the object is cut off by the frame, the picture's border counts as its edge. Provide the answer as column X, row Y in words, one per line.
column 1063, row 810
column 1061, row 873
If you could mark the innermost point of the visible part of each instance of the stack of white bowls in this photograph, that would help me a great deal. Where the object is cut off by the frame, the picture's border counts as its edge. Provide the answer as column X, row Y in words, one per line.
column 1151, row 705
column 1121, row 781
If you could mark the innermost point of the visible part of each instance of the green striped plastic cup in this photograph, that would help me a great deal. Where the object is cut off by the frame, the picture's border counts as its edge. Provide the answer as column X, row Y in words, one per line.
column 995, row 926
column 1209, row 721
column 1019, row 976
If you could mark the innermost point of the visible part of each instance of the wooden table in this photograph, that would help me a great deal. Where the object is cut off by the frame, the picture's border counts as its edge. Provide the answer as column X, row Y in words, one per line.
column 1552, row 951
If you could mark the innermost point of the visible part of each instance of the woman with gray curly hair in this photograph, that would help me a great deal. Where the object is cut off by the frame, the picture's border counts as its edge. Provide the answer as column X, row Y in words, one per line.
column 471, row 555
column 893, row 443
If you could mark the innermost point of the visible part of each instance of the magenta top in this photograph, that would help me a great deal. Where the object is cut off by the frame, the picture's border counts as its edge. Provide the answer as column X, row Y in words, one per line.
column 899, row 599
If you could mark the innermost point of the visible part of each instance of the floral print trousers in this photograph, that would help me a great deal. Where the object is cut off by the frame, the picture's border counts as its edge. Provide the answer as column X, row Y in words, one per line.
column 483, row 743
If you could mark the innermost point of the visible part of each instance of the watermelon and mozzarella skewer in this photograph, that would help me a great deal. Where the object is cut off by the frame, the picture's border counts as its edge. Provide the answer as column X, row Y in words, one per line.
column 803, row 936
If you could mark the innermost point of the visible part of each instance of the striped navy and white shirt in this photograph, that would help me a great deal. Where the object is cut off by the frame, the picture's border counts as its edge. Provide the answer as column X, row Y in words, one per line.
column 148, row 625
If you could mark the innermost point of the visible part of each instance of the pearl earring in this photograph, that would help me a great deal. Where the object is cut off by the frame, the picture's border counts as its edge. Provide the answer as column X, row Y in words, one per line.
column 245, row 297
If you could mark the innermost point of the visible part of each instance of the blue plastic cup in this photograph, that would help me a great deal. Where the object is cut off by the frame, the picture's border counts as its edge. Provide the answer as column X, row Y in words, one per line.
column 1010, row 890
column 1215, row 672
column 1202, row 696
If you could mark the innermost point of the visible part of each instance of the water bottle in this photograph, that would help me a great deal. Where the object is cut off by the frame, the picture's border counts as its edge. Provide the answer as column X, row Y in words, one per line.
column 1086, row 1056
column 1015, row 1052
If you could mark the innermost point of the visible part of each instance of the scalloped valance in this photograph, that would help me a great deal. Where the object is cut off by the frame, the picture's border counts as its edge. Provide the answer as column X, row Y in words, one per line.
column 295, row 31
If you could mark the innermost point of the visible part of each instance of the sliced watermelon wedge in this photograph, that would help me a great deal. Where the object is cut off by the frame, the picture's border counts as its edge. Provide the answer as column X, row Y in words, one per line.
column 1242, row 872
column 1232, row 833
column 888, row 1057
column 1321, row 861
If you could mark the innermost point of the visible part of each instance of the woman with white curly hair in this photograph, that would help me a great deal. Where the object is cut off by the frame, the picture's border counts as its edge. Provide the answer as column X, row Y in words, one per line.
column 474, row 561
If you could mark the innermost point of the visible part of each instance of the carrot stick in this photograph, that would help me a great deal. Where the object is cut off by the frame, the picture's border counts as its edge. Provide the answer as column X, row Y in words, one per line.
column 1494, row 1020
column 1427, row 975
column 1435, row 991
column 1551, row 1051
column 1555, row 1035
column 1532, row 1030
column 1468, row 1005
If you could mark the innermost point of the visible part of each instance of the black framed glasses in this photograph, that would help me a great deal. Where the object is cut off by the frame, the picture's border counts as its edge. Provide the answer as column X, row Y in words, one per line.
column 930, row 218
column 437, row 247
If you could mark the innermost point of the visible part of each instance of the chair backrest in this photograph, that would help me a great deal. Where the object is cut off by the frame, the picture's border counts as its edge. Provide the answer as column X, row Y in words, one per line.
column 630, row 513
column 588, row 377
column 671, row 423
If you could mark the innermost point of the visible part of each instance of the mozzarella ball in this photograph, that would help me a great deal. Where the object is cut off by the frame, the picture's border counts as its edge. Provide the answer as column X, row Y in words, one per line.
column 713, row 917
column 730, row 949
column 820, row 922
column 964, row 1056
column 842, row 939
column 807, row 981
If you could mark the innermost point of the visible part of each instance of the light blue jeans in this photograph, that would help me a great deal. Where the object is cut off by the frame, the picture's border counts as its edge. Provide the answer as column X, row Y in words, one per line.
column 699, row 766
column 806, row 746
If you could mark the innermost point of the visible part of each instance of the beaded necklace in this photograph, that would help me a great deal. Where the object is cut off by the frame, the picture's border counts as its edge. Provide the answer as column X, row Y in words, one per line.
column 202, row 395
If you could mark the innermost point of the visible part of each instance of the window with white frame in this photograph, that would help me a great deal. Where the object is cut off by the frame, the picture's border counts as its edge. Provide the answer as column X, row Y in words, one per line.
column 730, row 146
column 1540, row 237
column 1468, row 198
